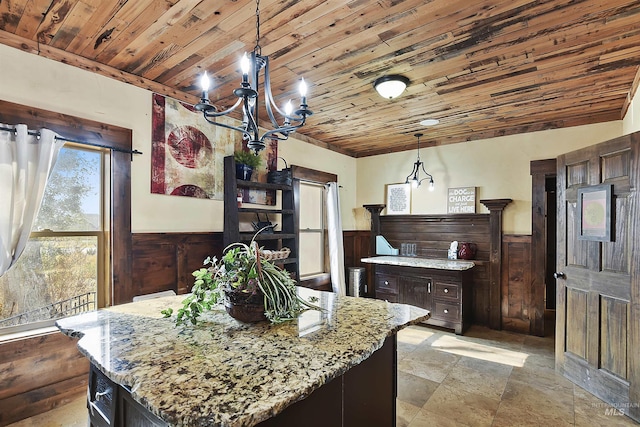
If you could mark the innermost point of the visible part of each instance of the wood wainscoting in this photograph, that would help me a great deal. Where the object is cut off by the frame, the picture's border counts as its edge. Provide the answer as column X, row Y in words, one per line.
column 165, row 261
column 39, row 373
column 517, row 303
column 357, row 245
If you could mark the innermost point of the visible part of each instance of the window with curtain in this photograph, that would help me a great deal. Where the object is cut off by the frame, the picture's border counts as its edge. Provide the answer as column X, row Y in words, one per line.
column 62, row 271
column 312, row 232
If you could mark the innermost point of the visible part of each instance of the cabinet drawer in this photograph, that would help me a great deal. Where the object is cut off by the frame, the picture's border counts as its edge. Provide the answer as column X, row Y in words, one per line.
column 102, row 396
column 446, row 311
column 446, row 290
column 387, row 296
column 386, row 283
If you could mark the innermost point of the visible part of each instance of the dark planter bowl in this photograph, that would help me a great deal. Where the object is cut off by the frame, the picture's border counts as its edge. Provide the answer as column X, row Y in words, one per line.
column 245, row 308
column 243, row 172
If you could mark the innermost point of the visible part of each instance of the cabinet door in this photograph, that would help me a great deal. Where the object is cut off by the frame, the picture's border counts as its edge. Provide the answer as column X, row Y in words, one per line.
column 415, row 291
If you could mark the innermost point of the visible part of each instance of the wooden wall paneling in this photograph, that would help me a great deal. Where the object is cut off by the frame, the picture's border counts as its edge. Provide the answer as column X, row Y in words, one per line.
column 540, row 171
column 433, row 235
column 165, row 261
column 495, row 206
column 356, row 247
column 517, row 304
column 634, row 297
column 120, row 229
column 39, row 373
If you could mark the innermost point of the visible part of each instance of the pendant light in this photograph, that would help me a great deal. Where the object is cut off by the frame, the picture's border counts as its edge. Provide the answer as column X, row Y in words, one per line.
column 248, row 96
column 414, row 176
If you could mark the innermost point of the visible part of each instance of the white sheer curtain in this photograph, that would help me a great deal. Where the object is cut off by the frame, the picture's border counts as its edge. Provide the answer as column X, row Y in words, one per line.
column 25, row 164
column 336, row 247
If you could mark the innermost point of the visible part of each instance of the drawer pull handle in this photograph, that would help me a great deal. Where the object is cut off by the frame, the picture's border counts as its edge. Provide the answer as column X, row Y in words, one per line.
column 386, row 282
column 446, row 311
column 446, row 291
column 429, row 288
column 99, row 394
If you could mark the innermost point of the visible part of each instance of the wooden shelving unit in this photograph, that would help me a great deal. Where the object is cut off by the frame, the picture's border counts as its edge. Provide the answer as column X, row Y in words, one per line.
column 288, row 211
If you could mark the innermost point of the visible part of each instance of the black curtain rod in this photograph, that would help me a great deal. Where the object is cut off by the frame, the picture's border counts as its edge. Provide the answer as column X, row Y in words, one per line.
column 92, row 144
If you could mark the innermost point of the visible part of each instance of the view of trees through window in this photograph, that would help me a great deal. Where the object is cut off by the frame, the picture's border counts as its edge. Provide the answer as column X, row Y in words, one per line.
column 312, row 229
column 57, row 274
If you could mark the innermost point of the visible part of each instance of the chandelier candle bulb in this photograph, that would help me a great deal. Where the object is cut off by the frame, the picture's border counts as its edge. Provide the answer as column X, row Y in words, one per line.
column 245, row 66
column 205, row 84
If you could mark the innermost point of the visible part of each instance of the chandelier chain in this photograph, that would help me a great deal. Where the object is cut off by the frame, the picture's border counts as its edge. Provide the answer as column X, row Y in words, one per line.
column 258, row 48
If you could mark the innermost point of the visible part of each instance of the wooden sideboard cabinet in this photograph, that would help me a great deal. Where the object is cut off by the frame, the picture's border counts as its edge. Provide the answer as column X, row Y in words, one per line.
column 445, row 293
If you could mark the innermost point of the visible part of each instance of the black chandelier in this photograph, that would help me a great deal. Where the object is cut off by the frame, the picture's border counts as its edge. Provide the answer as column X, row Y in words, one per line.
column 414, row 176
column 248, row 95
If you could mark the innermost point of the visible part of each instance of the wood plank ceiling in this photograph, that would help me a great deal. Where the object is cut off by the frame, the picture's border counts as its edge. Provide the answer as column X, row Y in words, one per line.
column 484, row 68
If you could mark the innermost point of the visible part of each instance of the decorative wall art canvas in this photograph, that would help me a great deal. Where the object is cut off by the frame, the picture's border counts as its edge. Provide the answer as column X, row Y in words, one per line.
column 398, row 199
column 594, row 213
column 187, row 154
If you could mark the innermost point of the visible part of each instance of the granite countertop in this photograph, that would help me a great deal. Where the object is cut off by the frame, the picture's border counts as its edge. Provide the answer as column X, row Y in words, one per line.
column 226, row 373
column 439, row 264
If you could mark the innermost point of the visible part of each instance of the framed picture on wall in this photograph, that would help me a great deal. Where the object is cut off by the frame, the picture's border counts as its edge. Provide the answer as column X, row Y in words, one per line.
column 594, row 207
column 398, row 199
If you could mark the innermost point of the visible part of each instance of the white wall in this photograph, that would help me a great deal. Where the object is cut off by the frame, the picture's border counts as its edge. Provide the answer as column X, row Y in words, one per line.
column 39, row 82
column 497, row 167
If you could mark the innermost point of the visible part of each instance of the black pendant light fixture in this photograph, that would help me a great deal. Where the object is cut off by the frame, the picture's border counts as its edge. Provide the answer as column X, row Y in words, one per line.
column 414, row 176
column 248, row 97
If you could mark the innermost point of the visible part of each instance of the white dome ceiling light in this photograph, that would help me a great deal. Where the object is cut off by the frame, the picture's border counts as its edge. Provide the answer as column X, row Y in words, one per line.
column 391, row 86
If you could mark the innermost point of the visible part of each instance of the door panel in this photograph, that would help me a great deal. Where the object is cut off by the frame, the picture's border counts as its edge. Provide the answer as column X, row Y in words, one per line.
column 577, row 318
column 614, row 336
column 596, row 334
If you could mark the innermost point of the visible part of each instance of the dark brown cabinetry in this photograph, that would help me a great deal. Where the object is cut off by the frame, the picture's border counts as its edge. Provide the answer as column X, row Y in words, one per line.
column 286, row 216
column 111, row 404
column 445, row 293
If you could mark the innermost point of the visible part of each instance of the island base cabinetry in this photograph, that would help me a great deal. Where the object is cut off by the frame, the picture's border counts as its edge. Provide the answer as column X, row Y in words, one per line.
column 445, row 293
column 111, row 404
column 365, row 395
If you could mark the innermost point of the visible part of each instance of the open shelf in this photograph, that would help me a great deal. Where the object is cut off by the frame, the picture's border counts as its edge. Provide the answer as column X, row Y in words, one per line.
column 288, row 220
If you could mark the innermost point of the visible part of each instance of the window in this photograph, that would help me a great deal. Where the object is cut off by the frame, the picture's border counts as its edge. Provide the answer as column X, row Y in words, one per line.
column 312, row 229
column 62, row 271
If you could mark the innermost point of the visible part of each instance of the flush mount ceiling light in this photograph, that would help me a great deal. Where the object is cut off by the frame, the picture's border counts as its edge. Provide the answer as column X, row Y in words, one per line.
column 247, row 94
column 429, row 122
column 414, row 176
column 391, row 86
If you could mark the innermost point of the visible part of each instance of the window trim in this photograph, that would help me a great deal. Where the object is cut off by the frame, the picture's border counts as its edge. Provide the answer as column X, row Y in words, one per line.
column 118, row 225
column 319, row 281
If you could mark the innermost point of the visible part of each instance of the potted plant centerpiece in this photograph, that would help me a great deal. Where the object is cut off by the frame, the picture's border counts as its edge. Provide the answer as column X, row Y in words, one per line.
column 246, row 162
column 252, row 288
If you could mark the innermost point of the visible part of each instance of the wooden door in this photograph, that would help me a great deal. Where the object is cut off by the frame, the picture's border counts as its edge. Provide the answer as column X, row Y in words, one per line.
column 597, row 331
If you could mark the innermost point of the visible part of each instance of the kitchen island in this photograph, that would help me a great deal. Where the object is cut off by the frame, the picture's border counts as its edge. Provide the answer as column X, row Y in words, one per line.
column 442, row 286
column 331, row 367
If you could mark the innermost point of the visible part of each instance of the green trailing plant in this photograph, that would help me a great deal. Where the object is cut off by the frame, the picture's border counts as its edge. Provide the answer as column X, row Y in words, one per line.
column 247, row 158
column 241, row 269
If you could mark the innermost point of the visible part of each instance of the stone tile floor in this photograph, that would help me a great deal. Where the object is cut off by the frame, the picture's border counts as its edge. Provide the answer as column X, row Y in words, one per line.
column 484, row 378
column 489, row 378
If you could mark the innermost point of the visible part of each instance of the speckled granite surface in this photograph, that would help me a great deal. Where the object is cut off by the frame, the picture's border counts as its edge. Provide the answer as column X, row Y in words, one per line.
column 439, row 264
column 226, row 373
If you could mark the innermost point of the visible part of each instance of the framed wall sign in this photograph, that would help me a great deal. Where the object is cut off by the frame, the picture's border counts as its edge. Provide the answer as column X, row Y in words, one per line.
column 398, row 199
column 461, row 200
column 594, row 206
